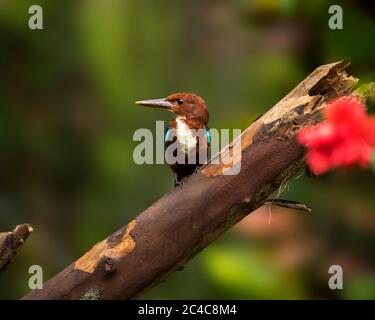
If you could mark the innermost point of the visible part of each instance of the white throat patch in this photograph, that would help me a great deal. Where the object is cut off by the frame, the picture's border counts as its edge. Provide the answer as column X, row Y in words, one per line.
column 185, row 136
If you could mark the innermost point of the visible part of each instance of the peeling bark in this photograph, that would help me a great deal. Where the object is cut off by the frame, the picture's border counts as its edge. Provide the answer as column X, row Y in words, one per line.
column 168, row 234
column 116, row 246
column 10, row 241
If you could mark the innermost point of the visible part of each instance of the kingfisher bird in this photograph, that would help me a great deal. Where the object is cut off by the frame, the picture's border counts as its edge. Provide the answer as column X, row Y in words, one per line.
column 192, row 114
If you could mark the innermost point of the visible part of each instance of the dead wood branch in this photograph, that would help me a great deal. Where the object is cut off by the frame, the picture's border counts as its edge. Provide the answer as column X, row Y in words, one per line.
column 168, row 234
column 10, row 241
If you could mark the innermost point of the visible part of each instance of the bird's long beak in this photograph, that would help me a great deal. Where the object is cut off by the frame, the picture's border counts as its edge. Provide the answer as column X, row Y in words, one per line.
column 156, row 103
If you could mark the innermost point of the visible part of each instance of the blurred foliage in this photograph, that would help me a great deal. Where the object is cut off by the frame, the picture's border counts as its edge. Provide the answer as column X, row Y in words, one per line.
column 67, row 119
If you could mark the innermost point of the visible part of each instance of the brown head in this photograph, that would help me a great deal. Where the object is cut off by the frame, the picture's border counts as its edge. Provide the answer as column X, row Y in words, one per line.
column 187, row 105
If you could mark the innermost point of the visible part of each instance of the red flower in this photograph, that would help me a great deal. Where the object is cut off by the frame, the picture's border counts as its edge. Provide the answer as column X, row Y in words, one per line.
column 343, row 139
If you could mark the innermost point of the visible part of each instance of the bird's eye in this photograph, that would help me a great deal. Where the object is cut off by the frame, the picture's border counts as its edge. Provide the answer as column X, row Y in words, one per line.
column 180, row 101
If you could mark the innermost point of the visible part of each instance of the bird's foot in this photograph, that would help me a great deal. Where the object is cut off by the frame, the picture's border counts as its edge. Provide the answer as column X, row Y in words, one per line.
column 198, row 168
column 178, row 183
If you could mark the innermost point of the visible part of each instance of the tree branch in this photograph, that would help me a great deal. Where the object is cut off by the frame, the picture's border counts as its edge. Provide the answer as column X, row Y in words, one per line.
column 10, row 241
column 169, row 233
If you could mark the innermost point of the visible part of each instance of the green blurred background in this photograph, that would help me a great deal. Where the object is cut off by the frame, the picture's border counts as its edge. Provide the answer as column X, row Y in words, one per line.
column 67, row 120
